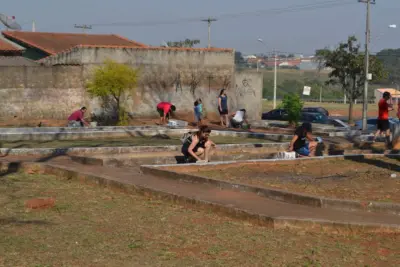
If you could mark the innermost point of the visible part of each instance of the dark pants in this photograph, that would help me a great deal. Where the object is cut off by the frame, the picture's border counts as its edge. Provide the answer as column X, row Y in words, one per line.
column 236, row 124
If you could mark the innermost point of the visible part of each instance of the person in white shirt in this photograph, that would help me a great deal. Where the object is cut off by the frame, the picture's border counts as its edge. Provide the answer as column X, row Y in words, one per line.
column 238, row 118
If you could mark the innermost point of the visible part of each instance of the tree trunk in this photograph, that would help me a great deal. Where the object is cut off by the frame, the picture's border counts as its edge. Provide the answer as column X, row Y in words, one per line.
column 117, row 108
column 351, row 105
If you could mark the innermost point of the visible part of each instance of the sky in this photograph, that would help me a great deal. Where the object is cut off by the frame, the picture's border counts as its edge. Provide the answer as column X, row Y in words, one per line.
column 300, row 31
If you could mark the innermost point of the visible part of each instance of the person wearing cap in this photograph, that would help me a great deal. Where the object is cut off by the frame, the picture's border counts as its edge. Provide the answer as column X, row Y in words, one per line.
column 383, row 125
column 303, row 142
column 76, row 118
column 165, row 109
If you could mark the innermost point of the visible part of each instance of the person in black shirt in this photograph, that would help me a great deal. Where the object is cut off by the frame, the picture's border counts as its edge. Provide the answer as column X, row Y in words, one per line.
column 302, row 142
column 197, row 147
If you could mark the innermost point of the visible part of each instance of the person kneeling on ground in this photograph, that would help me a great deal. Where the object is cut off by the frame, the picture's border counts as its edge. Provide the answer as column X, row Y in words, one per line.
column 76, row 118
column 238, row 118
column 196, row 147
column 303, row 143
column 165, row 110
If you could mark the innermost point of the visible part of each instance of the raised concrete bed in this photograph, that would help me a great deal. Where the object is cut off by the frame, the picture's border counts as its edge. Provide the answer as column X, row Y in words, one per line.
column 124, row 150
column 275, row 194
column 123, row 133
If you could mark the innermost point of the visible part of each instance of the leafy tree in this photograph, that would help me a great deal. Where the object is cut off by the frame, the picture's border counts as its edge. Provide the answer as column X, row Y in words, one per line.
column 189, row 43
column 391, row 62
column 282, row 56
column 291, row 56
column 347, row 65
column 293, row 106
column 111, row 82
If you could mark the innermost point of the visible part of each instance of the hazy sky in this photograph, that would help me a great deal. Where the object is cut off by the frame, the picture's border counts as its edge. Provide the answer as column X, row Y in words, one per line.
column 297, row 31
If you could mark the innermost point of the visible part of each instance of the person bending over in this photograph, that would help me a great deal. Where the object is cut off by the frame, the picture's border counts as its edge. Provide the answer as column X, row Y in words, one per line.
column 238, row 118
column 303, row 142
column 76, row 118
column 197, row 146
column 165, row 110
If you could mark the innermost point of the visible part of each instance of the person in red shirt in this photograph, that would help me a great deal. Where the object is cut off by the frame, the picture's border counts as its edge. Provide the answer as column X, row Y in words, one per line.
column 165, row 109
column 383, row 117
column 76, row 118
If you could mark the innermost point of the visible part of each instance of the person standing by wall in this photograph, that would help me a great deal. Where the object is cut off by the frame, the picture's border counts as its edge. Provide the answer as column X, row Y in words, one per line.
column 383, row 125
column 223, row 108
column 198, row 112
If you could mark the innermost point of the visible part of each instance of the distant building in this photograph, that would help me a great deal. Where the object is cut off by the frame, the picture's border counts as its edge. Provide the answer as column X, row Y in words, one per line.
column 38, row 45
column 11, row 54
column 379, row 93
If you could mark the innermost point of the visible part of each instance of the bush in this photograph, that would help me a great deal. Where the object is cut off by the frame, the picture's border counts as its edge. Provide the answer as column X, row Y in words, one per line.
column 113, row 81
column 293, row 106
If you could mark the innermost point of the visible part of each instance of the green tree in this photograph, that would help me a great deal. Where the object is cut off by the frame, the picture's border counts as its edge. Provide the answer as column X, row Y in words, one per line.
column 293, row 106
column 112, row 81
column 347, row 69
column 391, row 62
column 189, row 43
column 239, row 60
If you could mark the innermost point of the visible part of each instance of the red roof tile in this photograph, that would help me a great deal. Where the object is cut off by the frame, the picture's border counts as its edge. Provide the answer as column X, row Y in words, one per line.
column 53, row 43
column 7, row 46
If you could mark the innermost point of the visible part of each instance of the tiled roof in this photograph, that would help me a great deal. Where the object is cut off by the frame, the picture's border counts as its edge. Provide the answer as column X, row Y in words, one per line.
column 16, row 61
column 53, row 43
column 8, row 46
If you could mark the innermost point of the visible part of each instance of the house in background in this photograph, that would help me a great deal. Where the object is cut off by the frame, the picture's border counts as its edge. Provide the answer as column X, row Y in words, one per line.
column 38, row 45
column 379, row 93
column 11, row 54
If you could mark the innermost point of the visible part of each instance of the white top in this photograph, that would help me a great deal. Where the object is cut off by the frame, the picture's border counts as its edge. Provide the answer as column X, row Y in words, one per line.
column 239, row 116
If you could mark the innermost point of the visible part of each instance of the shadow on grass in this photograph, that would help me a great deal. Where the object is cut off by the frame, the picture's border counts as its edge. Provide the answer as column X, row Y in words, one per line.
column 12, row 220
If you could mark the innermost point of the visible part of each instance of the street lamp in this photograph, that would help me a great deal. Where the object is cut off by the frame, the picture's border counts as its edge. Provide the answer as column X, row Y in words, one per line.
column 275, row 70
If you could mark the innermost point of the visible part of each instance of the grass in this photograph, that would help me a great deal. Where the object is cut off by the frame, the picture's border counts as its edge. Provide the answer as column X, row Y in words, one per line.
column 94, row 226
column 135, row 141
column 366, row 180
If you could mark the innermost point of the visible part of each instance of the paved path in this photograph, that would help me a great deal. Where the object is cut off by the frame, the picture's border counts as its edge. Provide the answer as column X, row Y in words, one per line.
column 249, row 202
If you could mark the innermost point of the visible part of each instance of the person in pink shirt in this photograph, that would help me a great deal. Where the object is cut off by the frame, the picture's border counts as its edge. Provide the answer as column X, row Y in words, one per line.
column 165, row 109
column 76, row 119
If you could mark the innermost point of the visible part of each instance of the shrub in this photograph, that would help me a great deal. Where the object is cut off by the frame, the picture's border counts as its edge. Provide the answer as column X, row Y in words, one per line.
column 293, row 106
column 111, row 82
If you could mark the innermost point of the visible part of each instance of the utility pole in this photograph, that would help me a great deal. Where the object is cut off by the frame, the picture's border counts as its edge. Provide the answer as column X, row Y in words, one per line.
column 367, row 76
column 209, row 21
column 84, row 27
column 275, row 75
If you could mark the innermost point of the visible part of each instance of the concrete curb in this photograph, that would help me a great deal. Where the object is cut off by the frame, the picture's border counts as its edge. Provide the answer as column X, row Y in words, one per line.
column 276, row 223
column 279, row 195
column 123, row 150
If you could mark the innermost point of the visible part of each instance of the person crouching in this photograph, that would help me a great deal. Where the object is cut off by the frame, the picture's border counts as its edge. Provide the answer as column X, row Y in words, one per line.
column 76, row 119
column 303, row 142
column 197, row 146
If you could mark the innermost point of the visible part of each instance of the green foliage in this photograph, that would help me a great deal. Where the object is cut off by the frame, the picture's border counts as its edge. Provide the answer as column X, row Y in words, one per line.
column 113, row 81
column 185, row 43
column 390, row 59
column 347, row 65
column 123, row 117
column 293, row 105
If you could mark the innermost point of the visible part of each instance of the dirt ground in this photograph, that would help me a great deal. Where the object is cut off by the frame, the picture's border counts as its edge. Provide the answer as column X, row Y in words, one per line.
column 348, row 179
column 93, row 226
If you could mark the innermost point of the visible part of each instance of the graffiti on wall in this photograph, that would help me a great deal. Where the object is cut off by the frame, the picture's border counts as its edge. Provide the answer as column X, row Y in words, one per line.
column 245, row 88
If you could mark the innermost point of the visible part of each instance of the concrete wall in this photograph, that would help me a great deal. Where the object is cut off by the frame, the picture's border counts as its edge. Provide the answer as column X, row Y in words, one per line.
column 175, row 75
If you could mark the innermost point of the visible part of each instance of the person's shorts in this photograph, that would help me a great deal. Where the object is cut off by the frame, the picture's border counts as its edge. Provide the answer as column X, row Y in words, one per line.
column 223, row 111
column 383, row 125
column 161, row 112
column 74, row 124
column 236, row 124
column 304, row 151
column 198, row 117
column 185, row 150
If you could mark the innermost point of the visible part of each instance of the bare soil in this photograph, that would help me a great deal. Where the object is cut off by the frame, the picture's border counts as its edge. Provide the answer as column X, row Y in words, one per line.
column 369, row 179
column 94, row 226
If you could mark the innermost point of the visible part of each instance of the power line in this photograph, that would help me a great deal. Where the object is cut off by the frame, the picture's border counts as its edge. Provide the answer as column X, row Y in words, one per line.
column 271, row 12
